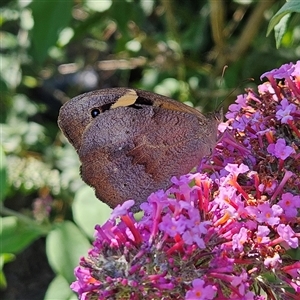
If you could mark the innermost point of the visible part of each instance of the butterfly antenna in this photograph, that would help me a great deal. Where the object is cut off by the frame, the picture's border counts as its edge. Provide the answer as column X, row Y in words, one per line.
column 231, row 92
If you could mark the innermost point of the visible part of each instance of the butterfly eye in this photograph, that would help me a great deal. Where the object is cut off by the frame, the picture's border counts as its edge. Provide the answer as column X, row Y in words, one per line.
column 95, row 112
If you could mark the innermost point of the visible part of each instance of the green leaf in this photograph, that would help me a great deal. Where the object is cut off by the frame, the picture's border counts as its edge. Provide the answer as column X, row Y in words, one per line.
column 64, row 247
column 289, row 7
column 89, row 211
column 59, row 289
column 294, row 253
column 16, row 235
column 4, row 258
column 50, row 18
column 280, row 29
column 122, row 12
column 3, row 175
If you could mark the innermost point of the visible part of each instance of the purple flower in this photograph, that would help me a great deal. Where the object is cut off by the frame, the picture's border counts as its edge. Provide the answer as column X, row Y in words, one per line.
column 283, row 72
column 268, row 186
column 236, row 169
column 272, row 261
column 262, row 234
column 288, row 235
column 266, row 88
column 290, row 203
column 173, row 226
column 284, row 113
column 296, row 72
column 197, row 239
column 200, row 292
column 241, row 282
column 123, row 209
column 233, row 109
column 280, row 150
column 293, row 269
column 86, row 283
column 239, row 239
column 241, row 123
column 269, row 215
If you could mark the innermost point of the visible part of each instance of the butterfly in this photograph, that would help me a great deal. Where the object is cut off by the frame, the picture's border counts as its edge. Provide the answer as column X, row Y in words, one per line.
column 131, row 142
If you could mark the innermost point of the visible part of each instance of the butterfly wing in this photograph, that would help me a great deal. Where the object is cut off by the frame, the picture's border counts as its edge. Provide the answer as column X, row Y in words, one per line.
column 172, row 147
column 128, row 153
column 136, row 143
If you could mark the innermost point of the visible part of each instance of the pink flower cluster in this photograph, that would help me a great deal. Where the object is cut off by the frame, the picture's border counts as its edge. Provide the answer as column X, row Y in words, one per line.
column 230, row 231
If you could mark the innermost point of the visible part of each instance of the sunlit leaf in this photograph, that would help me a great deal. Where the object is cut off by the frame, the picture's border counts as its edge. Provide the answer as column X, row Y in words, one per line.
column 64, row 247
column 59, row 289
column 88, row 210
column 289, row 7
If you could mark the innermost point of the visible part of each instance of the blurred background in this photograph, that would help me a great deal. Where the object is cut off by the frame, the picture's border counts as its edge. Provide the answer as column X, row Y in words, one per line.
column 52, row 51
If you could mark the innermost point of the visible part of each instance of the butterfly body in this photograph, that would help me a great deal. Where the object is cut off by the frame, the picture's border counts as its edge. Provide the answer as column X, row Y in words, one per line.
column 131, row 142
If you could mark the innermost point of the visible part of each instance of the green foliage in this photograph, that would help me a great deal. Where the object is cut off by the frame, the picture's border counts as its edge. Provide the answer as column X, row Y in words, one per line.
column 16, row 235
column 50, row 18
column 279, row 21
column 59, row 288
column 3, row 175
column 4, row 258
column 65, row 244
column 53, row 50
column 86, row 204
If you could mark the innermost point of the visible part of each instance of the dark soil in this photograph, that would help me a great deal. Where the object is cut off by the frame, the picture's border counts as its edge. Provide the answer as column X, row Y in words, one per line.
column 29, row 275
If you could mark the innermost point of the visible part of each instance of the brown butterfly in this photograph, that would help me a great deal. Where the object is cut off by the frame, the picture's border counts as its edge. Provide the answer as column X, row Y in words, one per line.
column 131, row 142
